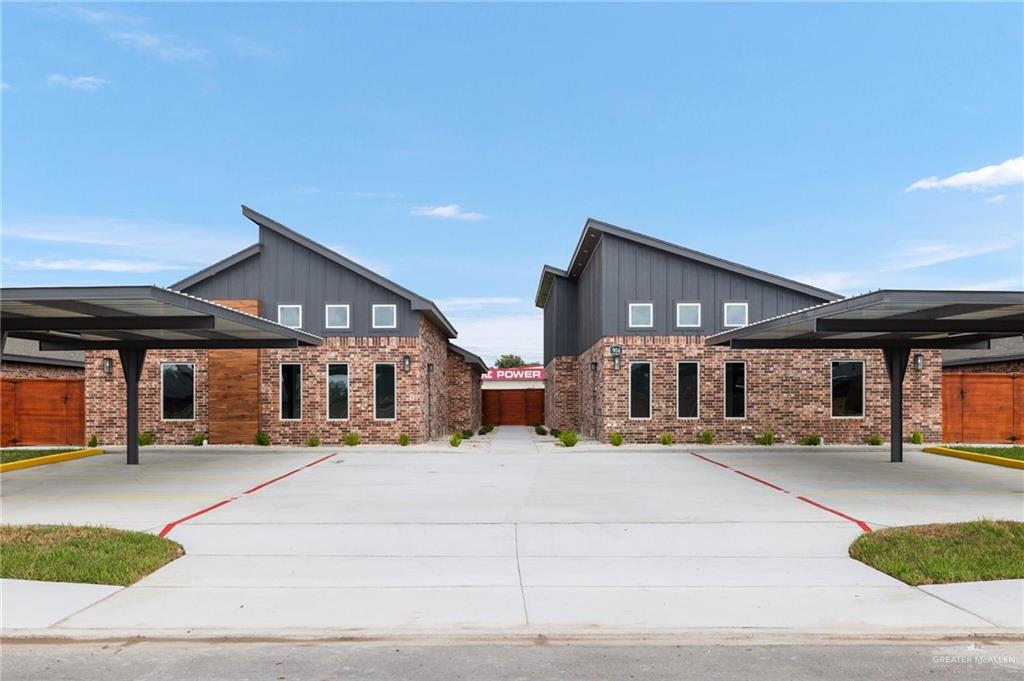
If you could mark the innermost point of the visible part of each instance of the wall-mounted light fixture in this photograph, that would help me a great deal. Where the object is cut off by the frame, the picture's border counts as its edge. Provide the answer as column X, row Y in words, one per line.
column 406, row 363
column 108, row 365
column 593, row 366
column 430, row 367
column 616, row 352
column 919, row 361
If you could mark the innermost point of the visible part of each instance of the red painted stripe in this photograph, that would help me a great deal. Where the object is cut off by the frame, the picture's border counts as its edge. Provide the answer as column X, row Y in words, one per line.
column 170, row 526
column 717, row 463
column 763, row 482
column 859, row 523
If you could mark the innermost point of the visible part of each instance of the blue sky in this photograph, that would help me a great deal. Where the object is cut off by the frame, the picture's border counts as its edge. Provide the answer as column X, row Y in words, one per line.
column 458, row 148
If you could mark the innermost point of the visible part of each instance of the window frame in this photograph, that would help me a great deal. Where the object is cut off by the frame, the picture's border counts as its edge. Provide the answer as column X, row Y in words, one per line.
column 650, row 390
column 688, row 418
column 348, row 316
column 863, row 387
column 725, row 390
column 394, row 368
column 327, row 391
column 373, row 315
column 281, row 305
column 191, row 364
column 700, row 314
column 629, row 315
column 725, row 314
column 280, row 389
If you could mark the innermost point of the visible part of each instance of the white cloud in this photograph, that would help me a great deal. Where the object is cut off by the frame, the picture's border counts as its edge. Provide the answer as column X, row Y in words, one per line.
column 128, row 31
column 998, row 198
column 88, row 83
column 835, row 280
column 491, row 337
column 1005, row 173
column 926, row 254
column 475, row 303
column 452, row 211
column 96, row 265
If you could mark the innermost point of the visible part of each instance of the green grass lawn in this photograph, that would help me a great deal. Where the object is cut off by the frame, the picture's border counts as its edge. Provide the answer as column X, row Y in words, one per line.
column 10, row 455
column 1014, row 452
column 975, row 551
column 88, row 555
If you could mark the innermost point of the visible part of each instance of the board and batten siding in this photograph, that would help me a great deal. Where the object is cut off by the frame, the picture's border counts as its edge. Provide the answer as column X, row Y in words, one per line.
column 287, row 273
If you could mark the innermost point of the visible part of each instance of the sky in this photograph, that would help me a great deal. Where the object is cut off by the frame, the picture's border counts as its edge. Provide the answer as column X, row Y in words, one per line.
column 456, row 149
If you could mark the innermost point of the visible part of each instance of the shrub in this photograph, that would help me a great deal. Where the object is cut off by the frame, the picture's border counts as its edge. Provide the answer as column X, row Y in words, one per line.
column 569, row 438
column 313, row 441
column 262, row 439
column 483, row 430
column 707, row 437
column 403, row 440
column 555, row 432
column 455, row 440
column 146, row 437
column 766, row 438
column 917, row 438
column 615, row 438
column 874, row 440
column 665, row 438
column 812, row 440
column 490, row 426
column 93, row 442
column 540, row 430
column 466, row 434
column 352, row 439
column 197, row 439
column 536, row 424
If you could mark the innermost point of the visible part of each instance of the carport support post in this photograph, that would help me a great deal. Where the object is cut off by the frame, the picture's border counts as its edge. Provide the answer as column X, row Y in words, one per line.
column 896, row 366
column 131, row 363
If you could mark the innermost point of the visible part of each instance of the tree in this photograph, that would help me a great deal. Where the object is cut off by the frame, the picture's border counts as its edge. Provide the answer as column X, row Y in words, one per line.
column 509, row 361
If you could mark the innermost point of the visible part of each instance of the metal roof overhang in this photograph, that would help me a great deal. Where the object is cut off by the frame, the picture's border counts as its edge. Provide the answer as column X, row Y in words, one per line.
column 135, row 317
column 894, row 322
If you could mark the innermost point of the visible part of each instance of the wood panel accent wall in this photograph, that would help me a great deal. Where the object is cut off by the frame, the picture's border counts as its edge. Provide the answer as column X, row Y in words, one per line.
column 233, row 379
column 982, row 407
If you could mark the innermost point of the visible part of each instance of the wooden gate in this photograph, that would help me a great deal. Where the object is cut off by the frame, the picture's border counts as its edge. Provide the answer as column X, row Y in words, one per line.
column 982, row 407
column 37, row 411
column 520, row 407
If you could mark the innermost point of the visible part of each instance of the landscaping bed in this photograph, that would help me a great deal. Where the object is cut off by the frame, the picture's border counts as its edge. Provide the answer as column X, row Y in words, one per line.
column 20, row 454
column 86, row 555
column 1013, row 452
column 975, row 551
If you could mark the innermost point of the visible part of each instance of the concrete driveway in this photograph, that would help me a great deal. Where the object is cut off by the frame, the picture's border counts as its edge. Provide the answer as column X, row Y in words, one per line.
column 512, row 541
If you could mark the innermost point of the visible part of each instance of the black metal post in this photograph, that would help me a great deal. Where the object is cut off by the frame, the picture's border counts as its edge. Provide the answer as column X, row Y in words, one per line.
column 896, row 366
column 131, row 364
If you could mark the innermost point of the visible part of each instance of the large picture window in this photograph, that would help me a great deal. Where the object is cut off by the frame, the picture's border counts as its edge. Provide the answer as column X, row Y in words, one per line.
column 337, row 391
column 640, row 390
column 291, row 392
column 177, row 392
column 687, row 390
column 848, row 389
column 384, row 391
column 735, row 390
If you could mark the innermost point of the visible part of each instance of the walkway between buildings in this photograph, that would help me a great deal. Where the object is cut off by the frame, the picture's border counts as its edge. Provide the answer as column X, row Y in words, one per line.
column 513, row 440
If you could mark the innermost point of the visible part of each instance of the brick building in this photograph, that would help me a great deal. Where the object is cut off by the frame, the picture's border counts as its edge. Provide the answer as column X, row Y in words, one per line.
column 624, row 350
column 387, row 366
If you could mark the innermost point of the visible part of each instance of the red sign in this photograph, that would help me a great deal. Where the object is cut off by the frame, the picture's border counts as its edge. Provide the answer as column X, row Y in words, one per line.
column 515, row 374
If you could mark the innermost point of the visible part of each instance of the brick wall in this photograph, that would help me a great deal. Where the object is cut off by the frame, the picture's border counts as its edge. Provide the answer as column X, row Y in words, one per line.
column 29, row 370
column 561, row 393
column 464, row 398
column 1009, row 367
column 434, row 351
column 787, row 391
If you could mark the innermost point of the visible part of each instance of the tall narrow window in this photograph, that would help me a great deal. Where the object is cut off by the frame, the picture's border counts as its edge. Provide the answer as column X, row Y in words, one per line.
column 639, row 390
column 641, row 315
column 848, row 389
column 735, row 314
column 290, row 315
column 337, row 391
column 291, row 391
column 385, row 316
column 735, row 390
column 688, row 390
column 177, row 392
column 384, row 391
column 336, row 317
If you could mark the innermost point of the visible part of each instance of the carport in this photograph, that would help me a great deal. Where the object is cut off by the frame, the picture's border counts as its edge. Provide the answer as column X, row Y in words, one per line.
column 895, row 322
column 133, row 320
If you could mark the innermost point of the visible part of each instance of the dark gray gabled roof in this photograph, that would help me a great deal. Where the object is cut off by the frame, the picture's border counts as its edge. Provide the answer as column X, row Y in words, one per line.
column 594, row 229
column 417, row 301
column 547, row 277
column 217, row 267
column 469, row 357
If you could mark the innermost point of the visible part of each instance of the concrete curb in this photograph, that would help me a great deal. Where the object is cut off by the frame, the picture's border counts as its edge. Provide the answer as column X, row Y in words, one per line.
column 973, row 456
column 46, row 460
